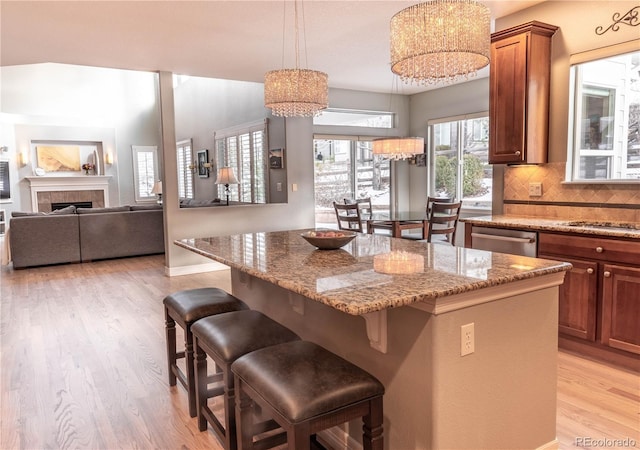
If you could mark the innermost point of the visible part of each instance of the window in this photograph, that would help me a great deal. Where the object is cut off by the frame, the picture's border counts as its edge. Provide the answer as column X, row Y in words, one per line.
column 345, row 167
column 185, row 169
column 355, row 118
column 145, row 171
column 604, row 135
column 458, row 153
column 245, row 149
column 5, row 182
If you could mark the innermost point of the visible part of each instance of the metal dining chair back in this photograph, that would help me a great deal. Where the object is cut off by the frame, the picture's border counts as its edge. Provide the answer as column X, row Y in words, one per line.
column 348, row 216
column 443, row 219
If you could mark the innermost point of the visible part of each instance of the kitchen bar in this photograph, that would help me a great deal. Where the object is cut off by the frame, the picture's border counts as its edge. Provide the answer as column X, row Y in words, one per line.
column 501, row 395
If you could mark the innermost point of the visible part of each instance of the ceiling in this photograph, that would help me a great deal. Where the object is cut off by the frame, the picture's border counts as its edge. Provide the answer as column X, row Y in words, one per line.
column 238, row 40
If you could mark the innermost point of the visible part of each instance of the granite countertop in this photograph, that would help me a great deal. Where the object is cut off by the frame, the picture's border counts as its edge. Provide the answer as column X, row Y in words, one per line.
column 352, row 280
column 594, row 228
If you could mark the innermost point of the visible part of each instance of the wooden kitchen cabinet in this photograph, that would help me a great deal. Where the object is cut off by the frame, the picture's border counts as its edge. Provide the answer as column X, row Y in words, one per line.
column 600, row 299
column 621, row 308
column 519, row 76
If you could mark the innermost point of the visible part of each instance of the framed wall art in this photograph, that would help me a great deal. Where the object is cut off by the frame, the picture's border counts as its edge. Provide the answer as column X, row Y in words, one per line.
column 276, row 158
column 203, row 163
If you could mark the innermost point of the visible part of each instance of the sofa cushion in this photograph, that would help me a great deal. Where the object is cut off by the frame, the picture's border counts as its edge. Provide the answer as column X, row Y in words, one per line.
column 26, row 214
column 103, row 210
column 56, row 212
column 62, row 211
column 145, row 207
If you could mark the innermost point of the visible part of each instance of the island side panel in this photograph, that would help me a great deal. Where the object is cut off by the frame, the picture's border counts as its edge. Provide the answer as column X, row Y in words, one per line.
column 504, row 394
column 426, row 381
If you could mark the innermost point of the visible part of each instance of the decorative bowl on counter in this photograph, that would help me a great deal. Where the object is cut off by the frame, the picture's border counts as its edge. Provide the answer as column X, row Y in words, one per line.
column 326, row 239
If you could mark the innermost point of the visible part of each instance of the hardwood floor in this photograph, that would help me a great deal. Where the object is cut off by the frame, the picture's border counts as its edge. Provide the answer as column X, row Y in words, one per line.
column 83, row 365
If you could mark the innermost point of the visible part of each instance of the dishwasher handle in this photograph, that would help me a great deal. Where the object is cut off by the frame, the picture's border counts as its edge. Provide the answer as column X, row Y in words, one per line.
column 503, row 238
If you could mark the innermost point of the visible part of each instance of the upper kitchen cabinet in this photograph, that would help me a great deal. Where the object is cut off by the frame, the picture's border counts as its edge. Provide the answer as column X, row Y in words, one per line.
column 519, row 94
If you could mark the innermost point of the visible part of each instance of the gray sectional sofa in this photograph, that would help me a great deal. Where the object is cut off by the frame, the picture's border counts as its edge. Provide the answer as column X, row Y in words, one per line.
column 85, row 234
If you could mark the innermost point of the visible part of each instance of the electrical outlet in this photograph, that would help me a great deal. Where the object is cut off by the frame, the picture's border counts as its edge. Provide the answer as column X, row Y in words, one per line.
column 279, row 187
column 535, row 189
column 467, row 339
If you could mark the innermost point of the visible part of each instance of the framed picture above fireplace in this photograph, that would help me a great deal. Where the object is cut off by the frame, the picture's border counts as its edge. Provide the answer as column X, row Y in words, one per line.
column 58, row 158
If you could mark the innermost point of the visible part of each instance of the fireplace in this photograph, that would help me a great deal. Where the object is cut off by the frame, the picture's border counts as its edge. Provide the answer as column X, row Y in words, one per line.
column 47, row 190
column 61, row 205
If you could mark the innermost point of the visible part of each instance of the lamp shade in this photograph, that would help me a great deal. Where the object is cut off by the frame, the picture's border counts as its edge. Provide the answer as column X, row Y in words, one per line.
column 157, row 188
column 226, row 175
column 398, row 148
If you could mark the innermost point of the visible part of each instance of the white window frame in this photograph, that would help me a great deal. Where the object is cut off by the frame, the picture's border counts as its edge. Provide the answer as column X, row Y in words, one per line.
column 253, row 175
column 184, row 157
column 459, row 156
column 144, row 194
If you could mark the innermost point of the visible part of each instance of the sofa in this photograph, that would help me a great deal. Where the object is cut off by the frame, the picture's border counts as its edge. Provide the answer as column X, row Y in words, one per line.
column 85, row 234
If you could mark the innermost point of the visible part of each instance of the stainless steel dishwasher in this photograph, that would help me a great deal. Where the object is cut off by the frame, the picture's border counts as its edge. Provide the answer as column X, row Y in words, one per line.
column 503, row 240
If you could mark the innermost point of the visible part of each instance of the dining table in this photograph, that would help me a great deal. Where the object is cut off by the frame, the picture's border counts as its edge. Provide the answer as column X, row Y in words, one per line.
column 397, row 222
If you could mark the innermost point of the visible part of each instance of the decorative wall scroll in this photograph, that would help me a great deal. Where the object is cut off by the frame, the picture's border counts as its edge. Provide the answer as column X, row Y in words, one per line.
column 629, row 18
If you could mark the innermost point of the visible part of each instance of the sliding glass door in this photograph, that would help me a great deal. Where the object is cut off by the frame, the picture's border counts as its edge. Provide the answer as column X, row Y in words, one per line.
column 345, row 168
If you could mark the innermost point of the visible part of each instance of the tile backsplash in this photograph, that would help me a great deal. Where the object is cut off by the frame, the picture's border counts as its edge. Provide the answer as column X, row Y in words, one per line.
column 566, row 201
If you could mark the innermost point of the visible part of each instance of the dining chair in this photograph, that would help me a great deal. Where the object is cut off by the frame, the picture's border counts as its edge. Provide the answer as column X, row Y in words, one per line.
column 366, row 209
column 432, row 200
column 348, row 216
column 443, row 220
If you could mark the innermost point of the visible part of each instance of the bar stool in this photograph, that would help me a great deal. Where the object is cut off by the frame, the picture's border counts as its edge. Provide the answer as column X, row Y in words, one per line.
column 185, row 307
column 305, row 389
column 224, row 338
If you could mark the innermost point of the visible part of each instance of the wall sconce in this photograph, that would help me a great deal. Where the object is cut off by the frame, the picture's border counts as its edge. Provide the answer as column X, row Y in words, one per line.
column 193, row 167
column 207, row 166
column 108, row 158
column 24, row 158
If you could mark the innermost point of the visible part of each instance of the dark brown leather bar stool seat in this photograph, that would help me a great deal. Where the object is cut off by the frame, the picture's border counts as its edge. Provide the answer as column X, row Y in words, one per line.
column 185, row 307
column 305, row 389
column 225, row 338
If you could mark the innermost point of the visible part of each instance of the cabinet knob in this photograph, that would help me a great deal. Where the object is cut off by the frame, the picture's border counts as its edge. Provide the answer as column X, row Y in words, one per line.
column 517, row 152
column 590, row 270
column 599, row 249
column 607, row 274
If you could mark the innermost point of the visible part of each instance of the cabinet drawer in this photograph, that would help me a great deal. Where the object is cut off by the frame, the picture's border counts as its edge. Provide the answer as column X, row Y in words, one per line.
column 597, row 248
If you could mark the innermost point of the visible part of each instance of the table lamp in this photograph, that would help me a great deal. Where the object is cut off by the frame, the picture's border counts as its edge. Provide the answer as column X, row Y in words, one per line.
column 157, row 189
column 226, row 176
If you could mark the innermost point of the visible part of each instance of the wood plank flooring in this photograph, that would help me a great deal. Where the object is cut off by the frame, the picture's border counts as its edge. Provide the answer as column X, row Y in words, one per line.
column 83, row 366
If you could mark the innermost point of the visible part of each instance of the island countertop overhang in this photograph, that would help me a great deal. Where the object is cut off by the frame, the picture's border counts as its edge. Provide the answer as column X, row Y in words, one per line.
column 348, row 280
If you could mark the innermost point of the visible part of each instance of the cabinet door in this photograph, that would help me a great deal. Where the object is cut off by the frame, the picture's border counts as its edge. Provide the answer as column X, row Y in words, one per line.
column 621, row 308
column 578, row 299
column 507, row 100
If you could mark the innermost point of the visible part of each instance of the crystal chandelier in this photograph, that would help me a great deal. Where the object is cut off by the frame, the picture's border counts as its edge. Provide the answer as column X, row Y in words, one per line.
column 296, row 92
column 398, row 148
column 440, row 40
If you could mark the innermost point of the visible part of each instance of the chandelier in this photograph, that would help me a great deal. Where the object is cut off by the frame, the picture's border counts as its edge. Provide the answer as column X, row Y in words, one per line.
column 440, row 40
column 295, row 92
column 398, row 148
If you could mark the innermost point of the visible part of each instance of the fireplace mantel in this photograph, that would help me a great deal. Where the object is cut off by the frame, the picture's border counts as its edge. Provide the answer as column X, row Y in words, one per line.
column 50, row 183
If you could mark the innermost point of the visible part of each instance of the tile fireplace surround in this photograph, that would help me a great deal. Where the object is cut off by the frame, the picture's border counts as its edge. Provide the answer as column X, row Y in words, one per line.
column 68, row 189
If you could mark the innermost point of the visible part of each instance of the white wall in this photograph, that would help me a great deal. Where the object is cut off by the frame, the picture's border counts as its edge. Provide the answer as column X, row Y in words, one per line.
column 75, row 103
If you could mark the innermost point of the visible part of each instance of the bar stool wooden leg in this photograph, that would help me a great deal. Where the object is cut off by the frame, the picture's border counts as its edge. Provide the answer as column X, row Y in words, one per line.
column 170, row 328
column 372, row 430
column 201, row 385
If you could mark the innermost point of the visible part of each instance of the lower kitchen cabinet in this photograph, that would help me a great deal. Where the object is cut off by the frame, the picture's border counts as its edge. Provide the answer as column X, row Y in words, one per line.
column 578, row 299
column 600, row 298
column 621, row 308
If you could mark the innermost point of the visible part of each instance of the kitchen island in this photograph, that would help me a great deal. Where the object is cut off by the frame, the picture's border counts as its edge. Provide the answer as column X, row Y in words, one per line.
column 396, row 308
